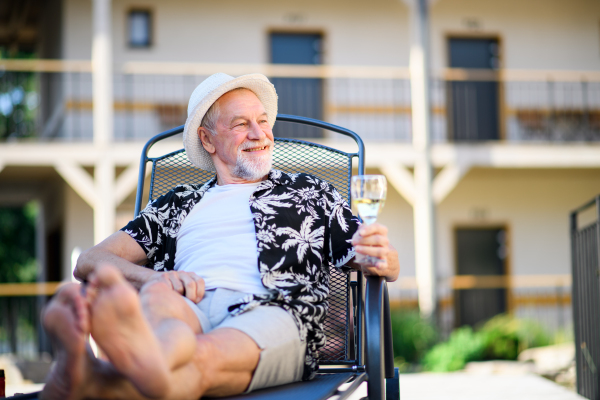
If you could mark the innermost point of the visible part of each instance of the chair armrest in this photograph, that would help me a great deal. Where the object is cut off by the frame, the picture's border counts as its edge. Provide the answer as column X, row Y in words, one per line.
column 375, row 343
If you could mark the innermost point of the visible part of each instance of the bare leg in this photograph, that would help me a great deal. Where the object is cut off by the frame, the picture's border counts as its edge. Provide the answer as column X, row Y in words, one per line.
column 220, row 363
column 226, row 358
column 77, row 374
column 223, row 361
column 173, row 322
column 66, row 320
column 124, row 335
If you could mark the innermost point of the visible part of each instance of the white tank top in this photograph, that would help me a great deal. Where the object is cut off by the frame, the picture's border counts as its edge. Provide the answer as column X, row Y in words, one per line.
column 217, row 240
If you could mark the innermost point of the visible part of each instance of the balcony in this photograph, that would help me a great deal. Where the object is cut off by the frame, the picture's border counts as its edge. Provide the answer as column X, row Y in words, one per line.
column 44, row 100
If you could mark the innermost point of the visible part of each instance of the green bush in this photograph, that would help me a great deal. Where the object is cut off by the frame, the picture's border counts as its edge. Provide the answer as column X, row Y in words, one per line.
column 506, row 336
column 17, row 244
column 501, row 338
column 462, row 346
column 412, row 335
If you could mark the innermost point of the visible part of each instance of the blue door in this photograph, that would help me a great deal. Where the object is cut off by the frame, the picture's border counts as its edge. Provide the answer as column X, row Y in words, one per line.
column 298, row 96
column 479, row 252
column 473, row 105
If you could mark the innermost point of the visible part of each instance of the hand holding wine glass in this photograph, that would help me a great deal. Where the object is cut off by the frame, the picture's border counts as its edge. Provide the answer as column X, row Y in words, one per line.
column 368, row 194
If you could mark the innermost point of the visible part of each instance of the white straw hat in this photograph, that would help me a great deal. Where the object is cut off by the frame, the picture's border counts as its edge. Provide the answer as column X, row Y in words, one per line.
column 206, row 94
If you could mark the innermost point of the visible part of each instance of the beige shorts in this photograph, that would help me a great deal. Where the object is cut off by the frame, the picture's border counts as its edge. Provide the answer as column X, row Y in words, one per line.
column 272, row 329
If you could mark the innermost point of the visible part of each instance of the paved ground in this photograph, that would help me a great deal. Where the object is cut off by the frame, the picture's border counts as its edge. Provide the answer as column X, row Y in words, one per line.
column 453, row 386
column 11, row 390
column 463, row 386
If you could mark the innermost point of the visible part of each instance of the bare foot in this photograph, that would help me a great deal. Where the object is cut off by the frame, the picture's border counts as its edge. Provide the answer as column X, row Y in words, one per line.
column 124, row 335
column 66, row 320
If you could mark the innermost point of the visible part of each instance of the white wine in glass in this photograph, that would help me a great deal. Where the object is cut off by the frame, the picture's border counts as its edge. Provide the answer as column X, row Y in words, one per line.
column 368, row 209
column 368, row 195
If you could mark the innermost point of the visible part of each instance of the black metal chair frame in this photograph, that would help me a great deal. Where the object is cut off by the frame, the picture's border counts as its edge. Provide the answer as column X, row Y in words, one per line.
column 371, row 354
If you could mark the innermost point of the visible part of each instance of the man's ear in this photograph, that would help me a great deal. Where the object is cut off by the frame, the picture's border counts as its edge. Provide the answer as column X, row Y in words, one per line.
column 207, row 139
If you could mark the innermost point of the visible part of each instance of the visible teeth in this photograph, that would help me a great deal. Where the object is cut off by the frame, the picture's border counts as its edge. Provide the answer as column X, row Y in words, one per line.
column 256, row 148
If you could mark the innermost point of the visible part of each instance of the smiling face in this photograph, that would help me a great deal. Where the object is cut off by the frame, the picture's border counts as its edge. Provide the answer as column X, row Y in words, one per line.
column 242, row 148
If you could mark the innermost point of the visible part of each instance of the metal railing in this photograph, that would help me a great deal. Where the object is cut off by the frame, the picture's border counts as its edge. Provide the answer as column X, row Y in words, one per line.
column 52, row 100
column 585, row 255
column 21, row 333
column 545, row 299
column 542, row 298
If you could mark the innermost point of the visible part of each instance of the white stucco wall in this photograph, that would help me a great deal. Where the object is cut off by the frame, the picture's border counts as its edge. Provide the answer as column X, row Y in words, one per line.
column 355, row 32
column 534, row 205
column 538, row 34
column 534, row 34
column 398, row 218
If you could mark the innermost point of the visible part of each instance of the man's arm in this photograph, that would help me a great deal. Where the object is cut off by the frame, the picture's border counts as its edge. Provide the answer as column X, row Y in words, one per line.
column 372, row 240
column 122, row 251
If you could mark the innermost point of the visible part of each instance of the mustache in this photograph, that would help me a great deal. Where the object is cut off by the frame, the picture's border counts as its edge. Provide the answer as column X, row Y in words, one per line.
column 253, row 145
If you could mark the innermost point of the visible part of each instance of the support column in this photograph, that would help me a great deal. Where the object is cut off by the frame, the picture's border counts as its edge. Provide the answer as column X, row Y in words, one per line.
column 423, row 208
column 104, row 172
column 102, row 72
column 104, row 209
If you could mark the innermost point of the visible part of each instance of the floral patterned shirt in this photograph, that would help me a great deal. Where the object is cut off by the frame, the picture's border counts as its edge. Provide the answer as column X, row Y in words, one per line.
column 303, row 225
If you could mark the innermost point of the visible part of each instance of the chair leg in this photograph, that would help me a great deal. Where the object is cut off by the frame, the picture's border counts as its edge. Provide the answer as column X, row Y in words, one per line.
column 392, row 386
column 375, row 351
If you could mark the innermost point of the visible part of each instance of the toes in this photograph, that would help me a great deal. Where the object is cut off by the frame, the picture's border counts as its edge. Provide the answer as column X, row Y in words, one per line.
column 68, row 292
column 67, row 298
column 81, row 312
column 109, row 275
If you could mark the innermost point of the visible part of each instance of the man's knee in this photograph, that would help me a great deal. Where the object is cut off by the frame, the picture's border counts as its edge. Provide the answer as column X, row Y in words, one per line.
column 160, row 302
column 155, row 298
column 155, row 288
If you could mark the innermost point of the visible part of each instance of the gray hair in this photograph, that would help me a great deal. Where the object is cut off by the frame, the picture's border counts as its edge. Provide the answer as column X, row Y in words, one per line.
column 209, row 121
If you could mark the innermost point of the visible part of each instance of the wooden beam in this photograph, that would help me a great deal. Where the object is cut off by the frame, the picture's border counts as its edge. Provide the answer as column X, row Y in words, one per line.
column 300, row 71
column 491, row 282
column 29, row 289
column 447, row 179
column 271, row 70
column 81, row 182
column 47, row 65
column 127, row 182
column 509, row 281
column 401, row 179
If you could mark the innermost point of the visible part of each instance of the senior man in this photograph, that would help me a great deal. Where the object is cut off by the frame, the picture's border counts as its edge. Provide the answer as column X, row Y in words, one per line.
column 233, row 275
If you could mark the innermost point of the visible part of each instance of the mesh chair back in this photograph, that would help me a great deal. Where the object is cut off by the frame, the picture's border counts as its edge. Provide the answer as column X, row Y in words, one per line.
column 289, row 155
column 292, row 156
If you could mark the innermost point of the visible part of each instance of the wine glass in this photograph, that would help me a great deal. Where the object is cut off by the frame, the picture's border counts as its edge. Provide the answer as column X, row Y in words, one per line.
column 368, row 195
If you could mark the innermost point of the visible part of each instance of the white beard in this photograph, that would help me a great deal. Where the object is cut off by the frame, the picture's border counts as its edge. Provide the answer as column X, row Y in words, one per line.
column 252, row 168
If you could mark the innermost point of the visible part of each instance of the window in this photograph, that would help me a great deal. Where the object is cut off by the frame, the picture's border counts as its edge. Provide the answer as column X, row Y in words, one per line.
column 139, row 28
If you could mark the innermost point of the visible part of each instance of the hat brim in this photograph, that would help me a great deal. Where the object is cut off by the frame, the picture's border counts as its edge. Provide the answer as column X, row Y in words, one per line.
column 257, row 83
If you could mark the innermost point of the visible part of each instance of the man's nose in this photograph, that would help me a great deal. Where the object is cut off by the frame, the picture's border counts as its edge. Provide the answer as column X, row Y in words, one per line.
column 256, row 133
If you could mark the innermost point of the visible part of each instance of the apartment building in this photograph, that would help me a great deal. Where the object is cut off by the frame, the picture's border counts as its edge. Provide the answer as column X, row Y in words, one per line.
column 515, row 120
